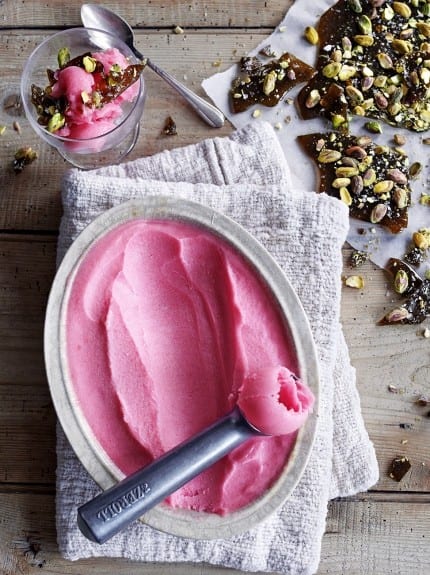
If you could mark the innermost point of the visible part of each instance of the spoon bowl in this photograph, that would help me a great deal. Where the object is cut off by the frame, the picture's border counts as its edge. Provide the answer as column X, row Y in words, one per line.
column 96, row 16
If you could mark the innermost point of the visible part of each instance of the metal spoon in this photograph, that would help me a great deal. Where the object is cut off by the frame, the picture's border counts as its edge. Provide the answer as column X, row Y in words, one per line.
column 111, row 511
column 96, row 16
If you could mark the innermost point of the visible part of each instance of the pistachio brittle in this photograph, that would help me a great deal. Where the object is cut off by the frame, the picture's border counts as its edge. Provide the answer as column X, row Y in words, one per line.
column 266, row 83
column 408, row 283
column 374, row 61
column 399, row 467
column 23, row 157
column 372, row 180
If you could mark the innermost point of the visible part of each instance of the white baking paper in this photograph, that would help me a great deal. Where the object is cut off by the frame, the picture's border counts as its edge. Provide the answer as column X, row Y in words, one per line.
column 379, row 243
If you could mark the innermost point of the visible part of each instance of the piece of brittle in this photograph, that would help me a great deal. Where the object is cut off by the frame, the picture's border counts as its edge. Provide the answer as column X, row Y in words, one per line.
column 407, row 283
column 374, row 61
column 170, row 128
column 266, row 83
column 399, row 467
column 372, row 180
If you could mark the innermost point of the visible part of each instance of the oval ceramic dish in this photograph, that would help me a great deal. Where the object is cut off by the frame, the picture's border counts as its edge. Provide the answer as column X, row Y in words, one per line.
column 176, row 521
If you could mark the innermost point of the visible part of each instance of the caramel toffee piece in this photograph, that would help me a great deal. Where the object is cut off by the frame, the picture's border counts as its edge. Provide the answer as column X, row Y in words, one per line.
column 372, row 180
column 374, row 61
column 265, row 84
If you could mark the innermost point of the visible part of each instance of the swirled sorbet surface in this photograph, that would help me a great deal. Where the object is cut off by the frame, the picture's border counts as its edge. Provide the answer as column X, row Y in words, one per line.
column 163, row 322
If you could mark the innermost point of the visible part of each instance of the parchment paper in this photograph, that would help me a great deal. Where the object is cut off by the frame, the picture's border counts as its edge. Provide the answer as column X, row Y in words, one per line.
column 288, row 37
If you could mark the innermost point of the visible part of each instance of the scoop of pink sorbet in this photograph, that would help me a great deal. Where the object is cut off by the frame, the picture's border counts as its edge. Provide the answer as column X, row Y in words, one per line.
column 275, row 401
column 82, row 121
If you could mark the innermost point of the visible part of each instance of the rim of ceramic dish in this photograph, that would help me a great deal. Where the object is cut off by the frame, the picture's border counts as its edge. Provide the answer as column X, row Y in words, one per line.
column 185, row 523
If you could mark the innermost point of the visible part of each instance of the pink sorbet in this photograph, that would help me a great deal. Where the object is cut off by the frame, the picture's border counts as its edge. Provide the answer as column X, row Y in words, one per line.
column 85, row 121
column 164, row 320
column 275, row 401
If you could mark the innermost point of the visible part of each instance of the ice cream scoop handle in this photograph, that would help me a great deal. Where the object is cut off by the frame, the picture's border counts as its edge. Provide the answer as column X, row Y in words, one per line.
column 111, row 511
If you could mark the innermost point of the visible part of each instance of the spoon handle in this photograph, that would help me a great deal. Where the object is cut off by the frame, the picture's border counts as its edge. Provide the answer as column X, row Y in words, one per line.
column 115, row 508
column 207, row 111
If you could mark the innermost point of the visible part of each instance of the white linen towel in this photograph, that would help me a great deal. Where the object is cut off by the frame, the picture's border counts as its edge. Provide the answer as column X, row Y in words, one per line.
column 246, row 177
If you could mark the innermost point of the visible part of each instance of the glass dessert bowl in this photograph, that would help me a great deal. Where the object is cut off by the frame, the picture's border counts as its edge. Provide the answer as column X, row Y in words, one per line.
column 83, row 93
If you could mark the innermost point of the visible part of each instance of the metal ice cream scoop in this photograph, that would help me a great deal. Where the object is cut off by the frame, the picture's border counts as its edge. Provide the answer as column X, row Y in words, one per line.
column 99, row 17
column 111, row 511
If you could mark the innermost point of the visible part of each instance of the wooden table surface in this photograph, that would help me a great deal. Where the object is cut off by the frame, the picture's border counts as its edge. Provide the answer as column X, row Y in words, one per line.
column 384, row 531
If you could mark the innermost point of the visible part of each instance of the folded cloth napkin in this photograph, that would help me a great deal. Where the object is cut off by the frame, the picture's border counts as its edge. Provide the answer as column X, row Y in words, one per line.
column 246, row 177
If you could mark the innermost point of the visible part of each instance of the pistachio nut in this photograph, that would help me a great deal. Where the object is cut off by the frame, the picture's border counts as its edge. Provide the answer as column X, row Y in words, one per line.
column 269, row 82
column 396, row 315
column 356, row 282
column 421, row 240
column 313, row 99
column 374, row 127
column 365, row 24
column 346, row 72
column 346, row 171
column 397, row 176
column 369, row 177
column 356, row 185
column 384, row 60
column 56, row 122
column 400, row 197
column 356, row 152
column 367, row 83
column 63, row 57
column 327, row 156
column 356, row 6
column 331, row 70
column 354, row 93
column 383, row 187
column 401, row 281
column 378, row 213
column 415, row 169
column 89, row 64
column 364, row 141
column 364, row 39
column 402, row 9
column 311, row 35
column 345, row 196
column 401, row 46
column 338, row 183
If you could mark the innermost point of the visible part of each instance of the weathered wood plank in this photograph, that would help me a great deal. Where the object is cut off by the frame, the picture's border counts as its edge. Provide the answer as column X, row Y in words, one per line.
column 381, row 537
column 27, row 432
column 156, row 13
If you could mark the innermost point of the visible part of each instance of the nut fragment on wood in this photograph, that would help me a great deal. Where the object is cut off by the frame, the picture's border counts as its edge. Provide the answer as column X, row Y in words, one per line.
column 354, row 281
